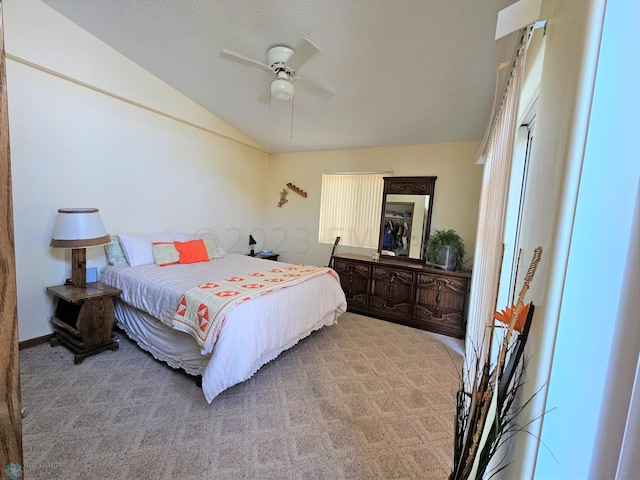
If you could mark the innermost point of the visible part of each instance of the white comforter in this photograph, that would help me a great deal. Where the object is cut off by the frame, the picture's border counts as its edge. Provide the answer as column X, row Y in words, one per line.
column 255, row 332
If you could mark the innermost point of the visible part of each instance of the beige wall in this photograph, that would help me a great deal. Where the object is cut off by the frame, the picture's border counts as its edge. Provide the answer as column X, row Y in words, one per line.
column 293, row 228
column 114, row 137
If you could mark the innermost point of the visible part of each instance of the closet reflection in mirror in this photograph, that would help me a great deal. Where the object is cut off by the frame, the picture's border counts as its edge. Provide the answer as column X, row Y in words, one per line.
column 404, row 225
column 406, row 216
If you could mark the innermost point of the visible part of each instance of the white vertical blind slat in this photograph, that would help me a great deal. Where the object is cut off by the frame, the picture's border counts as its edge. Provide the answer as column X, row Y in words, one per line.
column 490, row 234
column 350, row 208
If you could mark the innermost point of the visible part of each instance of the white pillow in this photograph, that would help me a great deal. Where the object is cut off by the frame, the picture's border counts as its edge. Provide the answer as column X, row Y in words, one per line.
column 212, row 249
column 139, row 248
column 209, row 237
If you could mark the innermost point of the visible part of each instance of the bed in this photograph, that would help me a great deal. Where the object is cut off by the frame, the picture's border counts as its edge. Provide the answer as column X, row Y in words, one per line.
column 254, row 330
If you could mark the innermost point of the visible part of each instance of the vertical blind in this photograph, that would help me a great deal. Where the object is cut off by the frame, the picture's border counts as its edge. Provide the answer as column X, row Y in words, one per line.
column 498, row 152
column 350, row 208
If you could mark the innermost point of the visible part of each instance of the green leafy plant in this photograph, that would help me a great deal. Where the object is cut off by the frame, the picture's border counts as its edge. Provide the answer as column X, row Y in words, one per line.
column 442, row 239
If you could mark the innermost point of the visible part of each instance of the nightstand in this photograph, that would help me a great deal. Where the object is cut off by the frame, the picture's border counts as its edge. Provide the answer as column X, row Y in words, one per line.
column 270, row 256
column 84, row 318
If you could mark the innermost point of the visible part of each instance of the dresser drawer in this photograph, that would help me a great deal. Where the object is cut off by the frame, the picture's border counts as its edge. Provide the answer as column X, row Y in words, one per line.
column 440, row 302
column 393, row 274
column 438, row 318
column 392, row 290
column 355, row 281
column 361, row 269
column 441, row 291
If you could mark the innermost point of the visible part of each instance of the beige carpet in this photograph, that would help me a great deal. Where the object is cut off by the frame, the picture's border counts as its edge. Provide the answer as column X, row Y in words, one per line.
column 363, row 399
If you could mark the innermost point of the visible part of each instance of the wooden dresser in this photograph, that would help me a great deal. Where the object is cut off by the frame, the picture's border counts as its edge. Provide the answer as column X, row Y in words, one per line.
column 407, row 293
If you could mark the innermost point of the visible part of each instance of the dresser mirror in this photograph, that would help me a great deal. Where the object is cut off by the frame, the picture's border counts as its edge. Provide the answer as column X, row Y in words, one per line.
column 405, row 222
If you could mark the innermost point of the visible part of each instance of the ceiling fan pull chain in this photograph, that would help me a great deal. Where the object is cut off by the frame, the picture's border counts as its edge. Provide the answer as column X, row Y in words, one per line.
column 292, row 101
column 268, row 128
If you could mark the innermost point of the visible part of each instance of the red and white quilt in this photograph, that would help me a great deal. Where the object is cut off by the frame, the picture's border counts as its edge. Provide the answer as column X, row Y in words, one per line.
column 203, row 309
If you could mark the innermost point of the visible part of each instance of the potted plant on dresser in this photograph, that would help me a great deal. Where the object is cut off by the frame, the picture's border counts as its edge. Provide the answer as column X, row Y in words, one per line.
column 445, row 249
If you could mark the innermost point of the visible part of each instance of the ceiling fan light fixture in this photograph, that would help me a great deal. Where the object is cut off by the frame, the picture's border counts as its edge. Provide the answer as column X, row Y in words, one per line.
column 281, row 87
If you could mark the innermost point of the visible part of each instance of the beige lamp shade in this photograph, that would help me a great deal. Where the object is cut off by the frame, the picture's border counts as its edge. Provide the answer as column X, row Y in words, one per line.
column 79, row 228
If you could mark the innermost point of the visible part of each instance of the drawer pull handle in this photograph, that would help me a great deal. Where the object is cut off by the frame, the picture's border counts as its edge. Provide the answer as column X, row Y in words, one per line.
column 349, row 290
column 391, row 285
column 438, row 299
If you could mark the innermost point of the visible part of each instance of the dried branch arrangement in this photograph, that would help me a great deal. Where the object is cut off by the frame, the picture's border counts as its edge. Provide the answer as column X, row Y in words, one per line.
column 299, row 191
column 486, row 416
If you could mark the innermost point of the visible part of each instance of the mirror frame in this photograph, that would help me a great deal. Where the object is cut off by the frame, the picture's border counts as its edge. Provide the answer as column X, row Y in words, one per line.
column 408, row 186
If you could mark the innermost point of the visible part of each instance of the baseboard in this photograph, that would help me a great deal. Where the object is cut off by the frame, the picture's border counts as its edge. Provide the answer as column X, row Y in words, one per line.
column 34, row 341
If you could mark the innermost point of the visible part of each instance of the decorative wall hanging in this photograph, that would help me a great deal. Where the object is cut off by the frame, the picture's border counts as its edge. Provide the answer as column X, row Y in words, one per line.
column 299, row 191
column 283, row 199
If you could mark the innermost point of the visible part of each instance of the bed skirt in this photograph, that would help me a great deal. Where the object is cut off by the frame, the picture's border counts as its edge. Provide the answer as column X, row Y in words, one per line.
column 175, row 348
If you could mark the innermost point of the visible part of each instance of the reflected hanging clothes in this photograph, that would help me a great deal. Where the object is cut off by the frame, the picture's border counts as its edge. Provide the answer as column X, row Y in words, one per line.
column 404, row 236
column 387, row 239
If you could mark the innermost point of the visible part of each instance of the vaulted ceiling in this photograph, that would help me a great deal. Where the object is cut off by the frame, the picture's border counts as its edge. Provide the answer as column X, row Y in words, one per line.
column 402, row 72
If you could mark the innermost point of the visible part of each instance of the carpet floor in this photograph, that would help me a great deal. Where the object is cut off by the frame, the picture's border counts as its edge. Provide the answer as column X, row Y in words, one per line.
column 362, row 399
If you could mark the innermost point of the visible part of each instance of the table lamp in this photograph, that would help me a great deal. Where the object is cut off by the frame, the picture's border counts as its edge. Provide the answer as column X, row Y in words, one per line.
column 77, row 229
column 252, row 242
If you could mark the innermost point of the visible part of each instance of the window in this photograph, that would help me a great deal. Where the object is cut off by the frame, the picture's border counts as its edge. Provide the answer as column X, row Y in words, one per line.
column 508, row 290
column 350, row 207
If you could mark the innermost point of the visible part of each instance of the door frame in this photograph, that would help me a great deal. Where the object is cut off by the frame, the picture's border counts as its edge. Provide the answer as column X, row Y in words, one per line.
column 10, row 411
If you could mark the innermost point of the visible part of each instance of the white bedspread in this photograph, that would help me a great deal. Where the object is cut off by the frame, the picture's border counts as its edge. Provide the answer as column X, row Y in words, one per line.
column 255, row 332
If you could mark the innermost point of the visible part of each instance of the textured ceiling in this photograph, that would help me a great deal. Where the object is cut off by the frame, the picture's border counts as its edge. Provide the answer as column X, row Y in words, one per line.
column 403, row 72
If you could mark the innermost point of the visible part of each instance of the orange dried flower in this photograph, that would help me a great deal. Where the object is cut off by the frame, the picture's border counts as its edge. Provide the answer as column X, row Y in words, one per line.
column 505, row 316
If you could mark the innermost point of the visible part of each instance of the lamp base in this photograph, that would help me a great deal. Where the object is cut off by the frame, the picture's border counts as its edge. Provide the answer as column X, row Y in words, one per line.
column 79, row 267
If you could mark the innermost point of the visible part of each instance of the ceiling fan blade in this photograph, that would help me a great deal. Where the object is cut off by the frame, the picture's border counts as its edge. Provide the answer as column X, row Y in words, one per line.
column 302, row 53
column 313, row 87
column 242, row 59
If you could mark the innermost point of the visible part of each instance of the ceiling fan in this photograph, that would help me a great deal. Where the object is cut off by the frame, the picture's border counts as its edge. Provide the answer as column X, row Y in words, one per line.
column 285, row 62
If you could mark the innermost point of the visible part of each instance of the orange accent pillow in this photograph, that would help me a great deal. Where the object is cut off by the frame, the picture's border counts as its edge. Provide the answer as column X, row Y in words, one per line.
column 192, row 251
